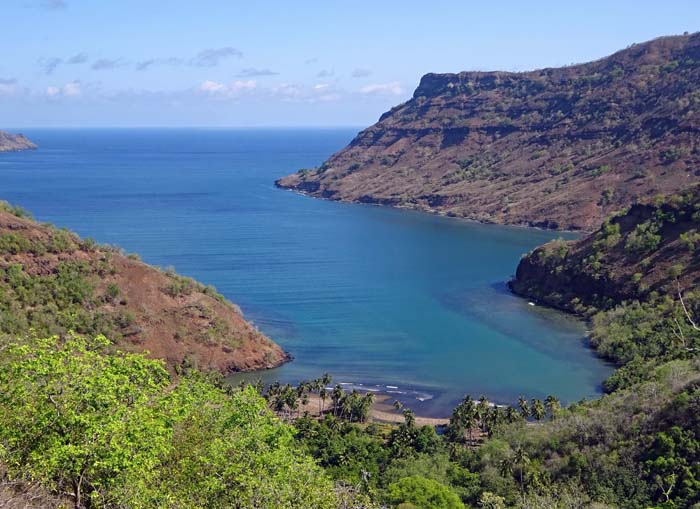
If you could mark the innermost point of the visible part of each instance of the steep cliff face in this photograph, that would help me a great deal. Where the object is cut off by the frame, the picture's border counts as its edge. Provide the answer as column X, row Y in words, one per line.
column 14, row 142
column 52, row 282
column 649, row 250
column 559, row 148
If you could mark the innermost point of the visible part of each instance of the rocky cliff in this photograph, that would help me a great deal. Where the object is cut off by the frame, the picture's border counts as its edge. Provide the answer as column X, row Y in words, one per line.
column 52, row 282
column 559, row 148
column 14, row 142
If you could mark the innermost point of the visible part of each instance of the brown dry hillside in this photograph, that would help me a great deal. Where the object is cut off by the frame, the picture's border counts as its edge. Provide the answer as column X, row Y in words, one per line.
column 14, row 142
column 559, row 148
column 52, row 282
column 650, row 250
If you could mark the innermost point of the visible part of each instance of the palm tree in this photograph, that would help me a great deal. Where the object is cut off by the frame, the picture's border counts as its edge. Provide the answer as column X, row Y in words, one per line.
column 482, row 410
column 291, row 399
column 493, row 419
column 346, row 406
column 398, row 405
column 409, row 418
column 366, row 406
column 552, row 405
column 470, row 421
column 305, row 401
column 521, row 460
column 464, row 418
column 336, row 396
column 273, row 390
column 537, row 409
column 512, row 415
column 524, row 408
column 322, row 394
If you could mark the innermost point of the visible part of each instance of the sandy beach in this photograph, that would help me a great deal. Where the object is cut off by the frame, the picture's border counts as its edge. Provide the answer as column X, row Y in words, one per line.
column 382, row 411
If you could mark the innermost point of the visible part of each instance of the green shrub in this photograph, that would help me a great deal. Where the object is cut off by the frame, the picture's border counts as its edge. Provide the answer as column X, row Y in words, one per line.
column 15, row 210
column 422, row 493
column 112, row 291
column 111, row 431
column 643, row 239
column 14, row 243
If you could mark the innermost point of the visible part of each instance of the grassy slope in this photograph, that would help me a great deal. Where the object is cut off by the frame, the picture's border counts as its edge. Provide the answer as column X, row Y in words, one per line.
column 52, row 282
column 560, row 147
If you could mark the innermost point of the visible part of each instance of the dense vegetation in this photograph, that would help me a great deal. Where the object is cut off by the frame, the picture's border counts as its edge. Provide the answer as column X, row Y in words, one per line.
column 642, row 253
column 85, row 424
column 636, row 277
column 110, row 430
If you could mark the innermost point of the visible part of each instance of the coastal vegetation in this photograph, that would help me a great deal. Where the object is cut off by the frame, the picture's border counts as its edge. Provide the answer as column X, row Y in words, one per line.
column 87, row 420
column 111, row 371
column 109, row 429
column 53, row 282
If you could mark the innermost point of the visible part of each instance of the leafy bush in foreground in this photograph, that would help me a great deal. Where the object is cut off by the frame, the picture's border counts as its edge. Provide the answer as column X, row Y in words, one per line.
column 109, row 430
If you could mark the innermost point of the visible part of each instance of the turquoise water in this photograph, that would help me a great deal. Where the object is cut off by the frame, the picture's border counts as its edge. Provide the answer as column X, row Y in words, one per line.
column 372, row 295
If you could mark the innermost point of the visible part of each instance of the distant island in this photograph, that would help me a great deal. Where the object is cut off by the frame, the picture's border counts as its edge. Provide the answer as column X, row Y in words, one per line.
column 15, row 142
column 557, row 148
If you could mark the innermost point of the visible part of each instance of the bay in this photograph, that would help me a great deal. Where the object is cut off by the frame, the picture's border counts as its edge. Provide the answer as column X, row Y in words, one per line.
column 395, row 300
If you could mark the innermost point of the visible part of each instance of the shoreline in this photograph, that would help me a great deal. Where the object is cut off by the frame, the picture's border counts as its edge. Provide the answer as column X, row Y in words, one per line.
column 381, row 412
column 428, row 211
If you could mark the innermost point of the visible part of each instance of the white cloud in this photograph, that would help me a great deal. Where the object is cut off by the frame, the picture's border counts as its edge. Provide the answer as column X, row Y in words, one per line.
column 324, row 92
column 288, row 91
column 234, row 89
column 293, row 92
column 72, row 89
column 240, row 85
column 393, row 88
column 212, row 87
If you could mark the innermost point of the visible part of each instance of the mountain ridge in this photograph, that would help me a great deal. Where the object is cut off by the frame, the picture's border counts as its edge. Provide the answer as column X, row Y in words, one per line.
column 557, row 148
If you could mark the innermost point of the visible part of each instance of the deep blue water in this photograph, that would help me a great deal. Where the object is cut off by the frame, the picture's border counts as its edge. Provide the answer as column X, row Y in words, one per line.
column 371, row 295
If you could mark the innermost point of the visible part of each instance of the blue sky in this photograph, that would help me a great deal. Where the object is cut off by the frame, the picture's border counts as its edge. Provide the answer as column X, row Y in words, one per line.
column 292, row 63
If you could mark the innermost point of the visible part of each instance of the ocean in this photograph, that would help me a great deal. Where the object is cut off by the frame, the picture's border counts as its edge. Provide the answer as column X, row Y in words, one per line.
column 390, row 300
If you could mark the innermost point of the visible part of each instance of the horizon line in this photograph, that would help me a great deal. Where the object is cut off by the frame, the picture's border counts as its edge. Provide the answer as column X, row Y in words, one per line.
column 339, row 126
